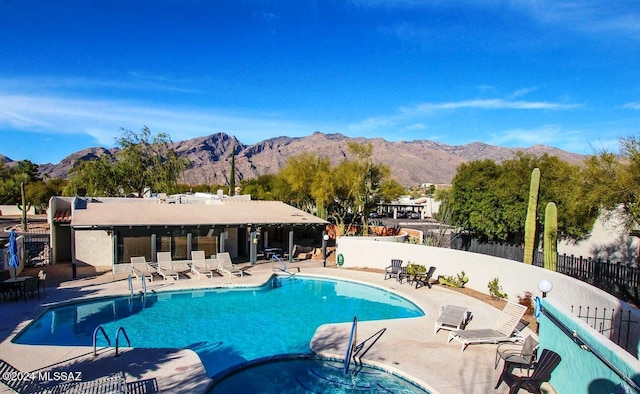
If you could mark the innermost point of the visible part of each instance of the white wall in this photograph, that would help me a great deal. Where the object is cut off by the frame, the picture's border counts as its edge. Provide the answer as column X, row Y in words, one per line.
column 609, row 240
column 93, row 247
column 13, row 210
column 514, row 277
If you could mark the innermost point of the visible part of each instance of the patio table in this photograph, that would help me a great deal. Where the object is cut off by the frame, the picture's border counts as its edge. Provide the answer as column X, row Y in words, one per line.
column 14, row 287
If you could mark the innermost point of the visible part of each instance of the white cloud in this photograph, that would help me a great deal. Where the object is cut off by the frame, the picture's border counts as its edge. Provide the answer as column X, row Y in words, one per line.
column 522, row 92
column 102, row 119
column 593, row 16
column 489, row 104
column 578, row 141
column 635, row 105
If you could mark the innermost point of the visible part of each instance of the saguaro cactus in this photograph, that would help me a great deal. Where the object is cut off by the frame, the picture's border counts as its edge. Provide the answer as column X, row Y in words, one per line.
column 530, row 224
column 23, row 206
column 550, row 236
column 232, row 177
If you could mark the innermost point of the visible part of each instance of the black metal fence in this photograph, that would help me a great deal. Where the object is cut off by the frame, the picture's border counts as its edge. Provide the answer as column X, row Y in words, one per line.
column 618, row 279
column 615, row 325
column 37, row 248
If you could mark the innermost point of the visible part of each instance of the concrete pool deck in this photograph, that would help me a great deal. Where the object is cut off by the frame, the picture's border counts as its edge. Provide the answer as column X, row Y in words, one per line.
column 408, row 346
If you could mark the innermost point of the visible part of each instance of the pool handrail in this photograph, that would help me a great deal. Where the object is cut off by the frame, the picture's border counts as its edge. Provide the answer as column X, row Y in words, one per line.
column 359, row 347
column 118, row 331
column 351, row 344
column 95, row 338
column 275, row 258
column 130, row 286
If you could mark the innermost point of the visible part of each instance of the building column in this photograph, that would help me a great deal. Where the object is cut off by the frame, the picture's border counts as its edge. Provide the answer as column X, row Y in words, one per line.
column 253, row 246
column 291, row 245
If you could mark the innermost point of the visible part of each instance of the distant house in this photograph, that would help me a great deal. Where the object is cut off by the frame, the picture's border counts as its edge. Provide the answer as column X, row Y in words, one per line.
column 100, row 231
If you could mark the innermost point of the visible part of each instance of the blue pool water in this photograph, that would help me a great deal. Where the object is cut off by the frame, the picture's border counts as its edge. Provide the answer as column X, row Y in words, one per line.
column 225, row 327
column 311, row 376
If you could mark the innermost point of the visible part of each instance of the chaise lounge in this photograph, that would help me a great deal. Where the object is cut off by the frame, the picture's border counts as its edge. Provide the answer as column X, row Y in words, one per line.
column 502, row 330
column 225, row 265
column 199, row 264
column 451, row 317
column 140, row 268
column 165, row 266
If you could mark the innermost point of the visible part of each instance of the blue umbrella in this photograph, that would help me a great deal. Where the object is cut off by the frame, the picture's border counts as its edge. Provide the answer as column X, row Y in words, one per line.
column 14, row 262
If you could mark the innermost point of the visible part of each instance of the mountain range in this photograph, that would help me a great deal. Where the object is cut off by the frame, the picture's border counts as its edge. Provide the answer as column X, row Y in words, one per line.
column 411, row 162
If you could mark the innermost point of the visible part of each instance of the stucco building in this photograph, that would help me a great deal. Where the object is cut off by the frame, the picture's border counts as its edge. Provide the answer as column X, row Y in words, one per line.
column 100, row 231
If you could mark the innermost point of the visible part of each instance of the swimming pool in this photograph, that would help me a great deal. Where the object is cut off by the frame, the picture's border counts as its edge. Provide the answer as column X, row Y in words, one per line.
column 310, row 375
column 225, row 327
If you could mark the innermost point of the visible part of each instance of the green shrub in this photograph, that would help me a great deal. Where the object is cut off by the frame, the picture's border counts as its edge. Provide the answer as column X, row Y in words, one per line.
column 454, row 281
column 495, row 290
column 414, row 269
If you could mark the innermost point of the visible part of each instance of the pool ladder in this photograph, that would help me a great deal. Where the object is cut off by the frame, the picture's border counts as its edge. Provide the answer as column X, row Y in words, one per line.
column 358, row 350
column 104, row 333
column 144, row 286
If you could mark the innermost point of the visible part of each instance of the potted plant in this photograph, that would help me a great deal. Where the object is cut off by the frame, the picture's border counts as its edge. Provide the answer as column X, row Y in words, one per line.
column 414, row 270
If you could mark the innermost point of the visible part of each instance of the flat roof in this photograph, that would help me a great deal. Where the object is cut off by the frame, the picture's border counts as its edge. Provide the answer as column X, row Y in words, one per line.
column 152, row 213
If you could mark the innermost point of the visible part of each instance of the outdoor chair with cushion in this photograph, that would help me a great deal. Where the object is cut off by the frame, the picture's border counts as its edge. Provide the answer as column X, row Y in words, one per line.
column 542, row 370
column 393, row 270
column 502, row 330
column 520, row 356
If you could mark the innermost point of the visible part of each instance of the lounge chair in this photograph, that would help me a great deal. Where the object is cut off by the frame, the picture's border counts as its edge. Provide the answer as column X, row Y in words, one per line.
column 165, row 266
column 451, row 317
column 521, row 356
column 225, row 265
column 542, row 370
column 502, row 330
column 140, row 267
column 393, row 270
column 199, row 264
column 422, row 280
column 114, row 383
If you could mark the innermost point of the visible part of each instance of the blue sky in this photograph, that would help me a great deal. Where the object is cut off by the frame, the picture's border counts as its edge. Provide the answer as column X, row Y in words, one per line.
column 509, row 73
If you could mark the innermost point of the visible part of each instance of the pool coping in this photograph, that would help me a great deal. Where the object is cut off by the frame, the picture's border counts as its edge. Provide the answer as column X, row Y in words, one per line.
column 179, row 366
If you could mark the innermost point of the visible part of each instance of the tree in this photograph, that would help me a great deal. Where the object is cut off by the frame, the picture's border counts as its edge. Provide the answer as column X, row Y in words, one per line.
column 12, row 177
column 359, row 182
column 490, row 200
column 473, row 203
column 260, row 188
column 40, row 192
column 308, row 182
column 97, row 177
column 147, row 162
column 143, row 162
column 614, row 181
